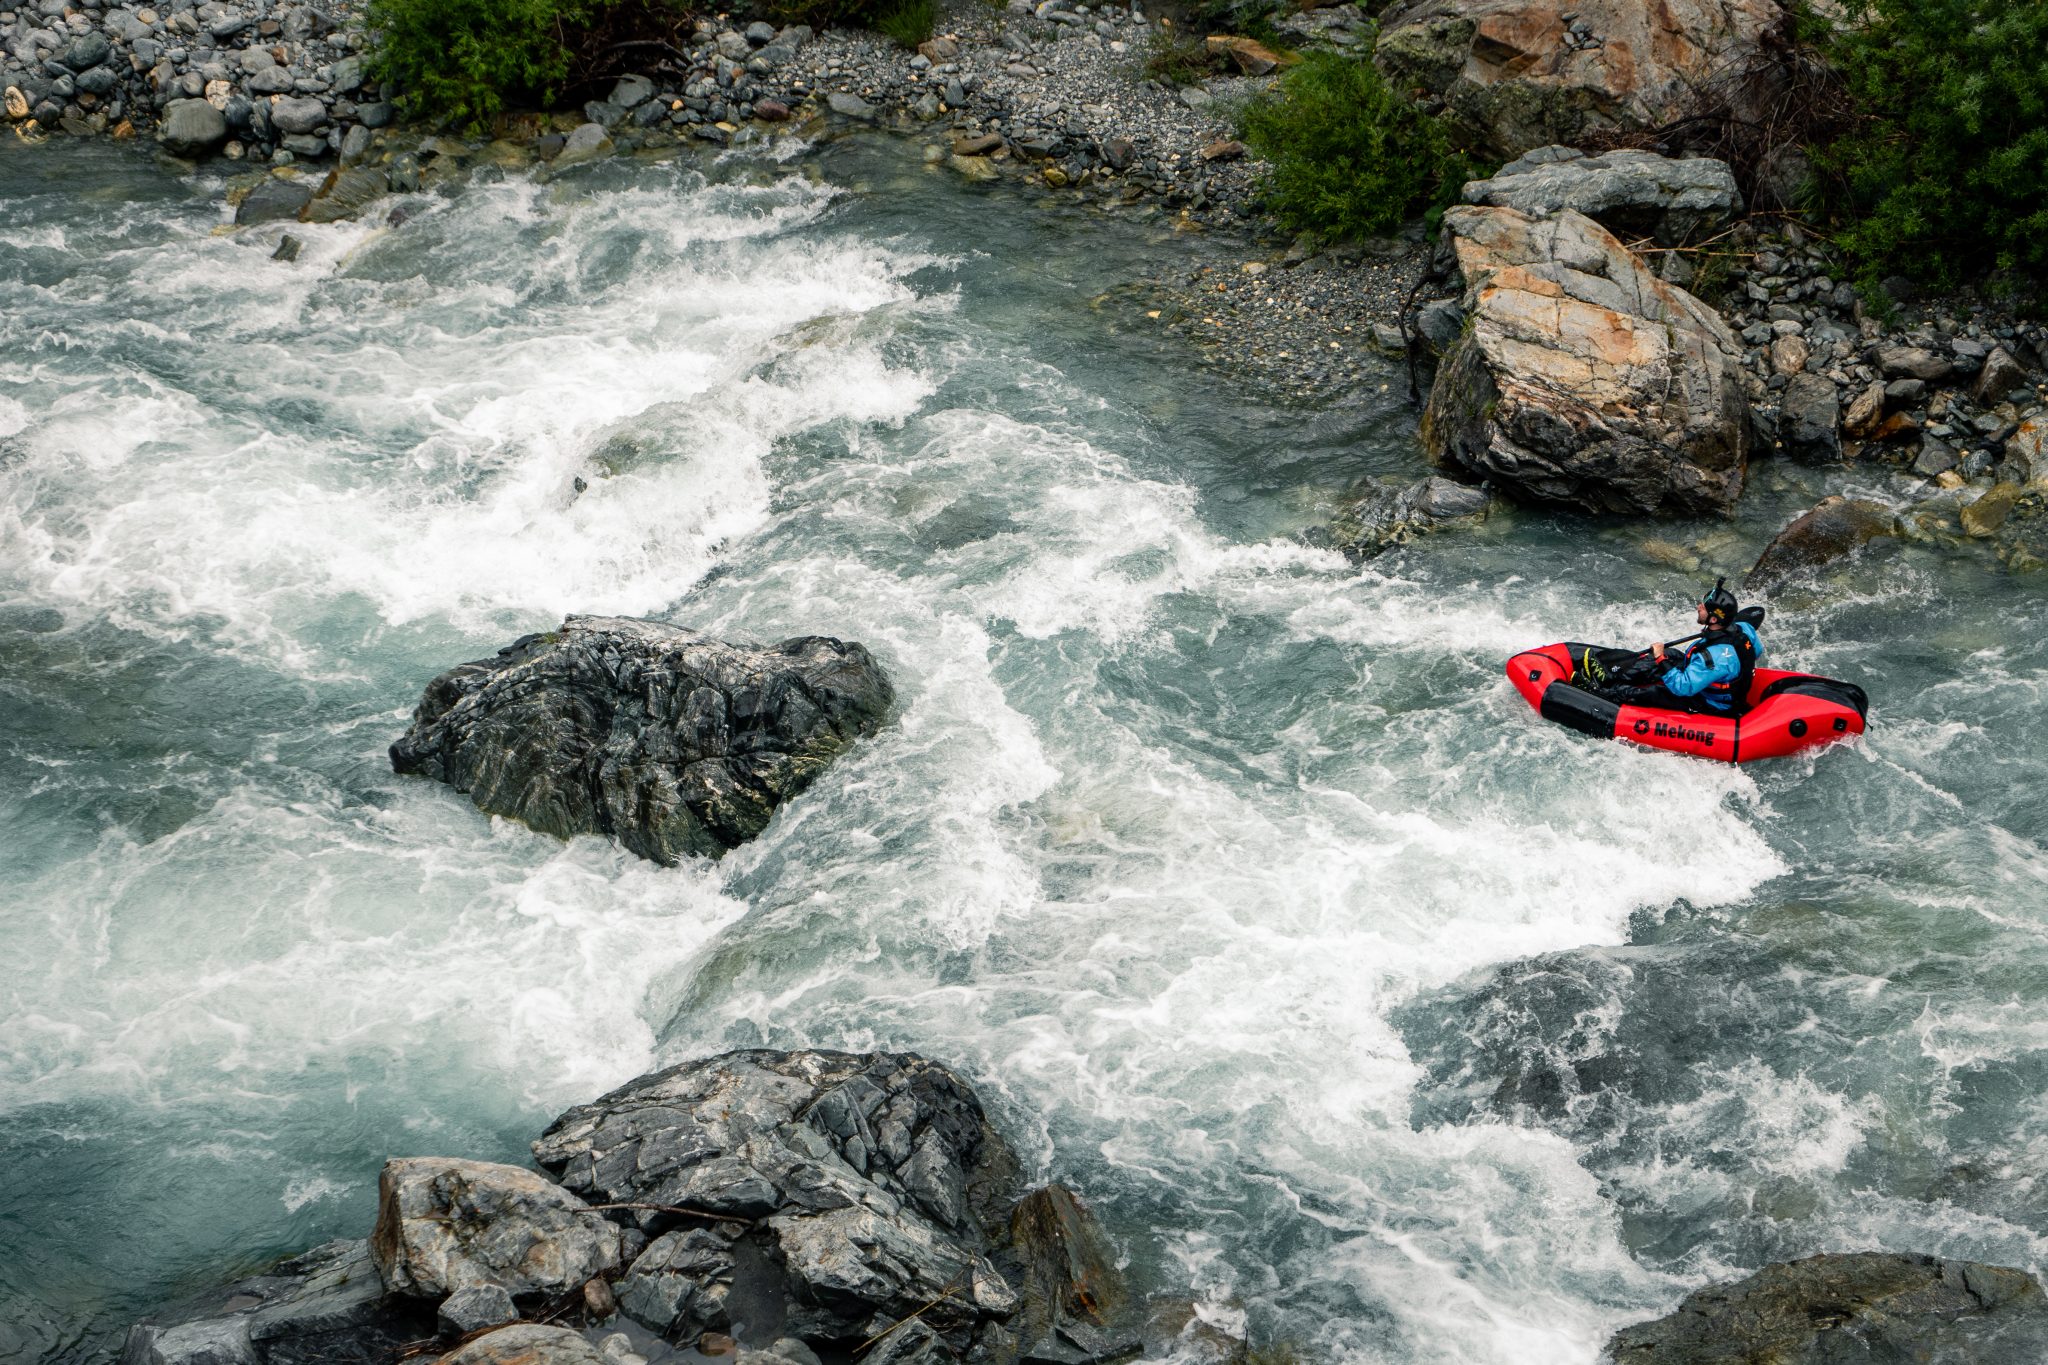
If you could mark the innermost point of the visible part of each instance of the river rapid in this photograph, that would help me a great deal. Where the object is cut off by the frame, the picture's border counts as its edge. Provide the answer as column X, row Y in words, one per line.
column 1375, row 1015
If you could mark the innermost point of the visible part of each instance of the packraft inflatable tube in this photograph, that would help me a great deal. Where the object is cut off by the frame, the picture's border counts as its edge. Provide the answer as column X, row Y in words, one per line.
column 1787, row 712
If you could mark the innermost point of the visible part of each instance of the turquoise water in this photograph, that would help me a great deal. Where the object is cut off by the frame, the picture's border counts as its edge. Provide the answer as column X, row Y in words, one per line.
column 1372, row 1012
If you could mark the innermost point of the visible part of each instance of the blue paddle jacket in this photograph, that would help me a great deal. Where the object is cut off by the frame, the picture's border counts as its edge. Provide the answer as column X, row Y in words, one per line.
column 1711, row 670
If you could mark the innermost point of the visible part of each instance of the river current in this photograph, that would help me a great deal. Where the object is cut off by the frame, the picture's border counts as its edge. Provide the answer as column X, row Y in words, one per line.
column 1375, row 1015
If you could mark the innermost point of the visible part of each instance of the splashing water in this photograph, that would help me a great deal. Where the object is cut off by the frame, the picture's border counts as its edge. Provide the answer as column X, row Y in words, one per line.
column 1233, row 875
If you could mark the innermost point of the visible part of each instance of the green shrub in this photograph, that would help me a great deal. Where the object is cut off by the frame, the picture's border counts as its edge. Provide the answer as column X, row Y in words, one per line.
column 1351, row 157
column 1942, row 172
column 1176, row 58
column 465, row 61
column 909, row 22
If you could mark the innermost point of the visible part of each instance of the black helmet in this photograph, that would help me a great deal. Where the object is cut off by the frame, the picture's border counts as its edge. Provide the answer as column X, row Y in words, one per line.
column 1720, row 604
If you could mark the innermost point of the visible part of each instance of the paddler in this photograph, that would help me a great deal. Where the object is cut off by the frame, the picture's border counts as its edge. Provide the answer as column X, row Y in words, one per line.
column 1710, row 676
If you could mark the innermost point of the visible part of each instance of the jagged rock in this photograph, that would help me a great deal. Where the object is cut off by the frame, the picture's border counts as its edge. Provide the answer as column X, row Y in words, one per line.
column 1983, row 517
column 1582, row 378
column 2001, row 375
column 527, row 1343
column 1075, row 1304
column 670, row 742
column 1637, row 194
column 2023, row 535
column 1834, row 527
column 1386, row 515
column 2026, row 451
column 328, row 1304
column 586, row 142
column 1870, row 1305
column 1519, row 74
column 475, row 1308
column 445, row 1225
column 1810, row 418
column 868, row 1185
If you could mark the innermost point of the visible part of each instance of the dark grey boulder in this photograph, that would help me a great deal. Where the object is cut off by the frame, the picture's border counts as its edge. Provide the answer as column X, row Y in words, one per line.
column 1834, row 528
column 1865, row 1306
column 670, row 742
column 192, row 128
column 1636, row 194
column 274, row 201
column 475, row 1308
column 298, row 115
column 1810, row 418
column 328, row 1304
column 843, row 1185
column 345, row 193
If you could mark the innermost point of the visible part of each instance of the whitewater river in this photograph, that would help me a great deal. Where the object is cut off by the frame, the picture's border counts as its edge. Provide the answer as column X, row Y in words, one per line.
column 1367, row 1007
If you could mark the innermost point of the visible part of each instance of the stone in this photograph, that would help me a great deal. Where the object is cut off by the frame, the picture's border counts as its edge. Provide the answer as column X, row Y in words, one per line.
column 2000, row 376
column 191, row 128
column 255, row 59
column 670, row 742
column 377, row 114
column 1510, row 81
column 1789, row 355
column 2022, row 539
column 1581, row 378
column 975, row 168
column 16, row 103
column 86, row 51
column 344, row 193
column 346, row 76
column 1936, row 457
column 2026, row 451
column 632, row 91
column 473, row 1308
column 1248, row 55
column 586, row 142
column 526, row 1343
column 1987, row 514
column 1631, row 193
column 275, row 200
column 976, row 144
column 1912, row 362
column 445, row 1224
column 849, row 105
column 1867, row 1305
column 355, row 144
column 288, row 248
column 939, row 50
column 297, row 115
column 1074, row 1299
column 873, row 1184
column 1385, row 515
column 771, row 111
column 327, row 1304
column 1834, row 528
column 1809, row 418
column 1865, row 410
column 272, row 80
column 759, row 33
column 1227, row 150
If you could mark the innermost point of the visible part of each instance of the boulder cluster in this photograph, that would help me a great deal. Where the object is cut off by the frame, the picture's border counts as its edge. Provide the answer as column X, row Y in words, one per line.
column 776, row 1206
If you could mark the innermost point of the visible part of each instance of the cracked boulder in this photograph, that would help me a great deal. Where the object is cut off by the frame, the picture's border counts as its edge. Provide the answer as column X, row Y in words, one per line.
column 1581, row 378
column 1864, row 1306
column 672, row 743
column 1637, row 194
column 1513, row 75
column 445, row 1225
column 327, row 1305
column 847, row 1191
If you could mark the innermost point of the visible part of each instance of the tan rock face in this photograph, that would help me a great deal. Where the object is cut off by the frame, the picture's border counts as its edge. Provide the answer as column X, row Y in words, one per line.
column 1583, row 379
column 1518, row 74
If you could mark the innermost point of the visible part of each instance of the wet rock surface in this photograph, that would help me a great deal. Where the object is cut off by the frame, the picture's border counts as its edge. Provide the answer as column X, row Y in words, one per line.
column 670, row 742
column 1833, row 529
column 1581, row 378
column 1861, row 1306
column 1385, row 515
column 787, row 1203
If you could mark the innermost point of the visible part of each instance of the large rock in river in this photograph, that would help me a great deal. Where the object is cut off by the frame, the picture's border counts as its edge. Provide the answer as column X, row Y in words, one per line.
column 1518, row 74
column 876, row 1179
column 672, row 743
column 1832, row 529
column 1866, row 1306
column 1581, row 378
column 327, row 1305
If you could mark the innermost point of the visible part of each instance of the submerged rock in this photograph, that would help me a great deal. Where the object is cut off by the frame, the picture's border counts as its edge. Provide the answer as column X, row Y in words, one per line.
column 1581, row 378
column 672, row 743
column 1862, row 1306
column 1388, row 515
column 327, row 1305
column 1833, row 528
column 1638, row 193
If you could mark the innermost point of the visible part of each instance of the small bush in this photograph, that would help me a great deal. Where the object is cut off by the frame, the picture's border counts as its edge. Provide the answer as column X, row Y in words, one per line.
column 909, row 22
column 465, row 61
column 1350, row 156
column 1942, row 171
